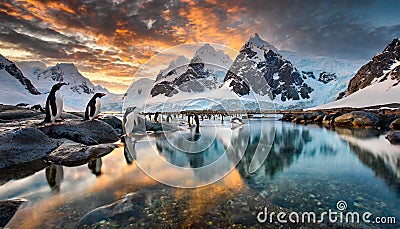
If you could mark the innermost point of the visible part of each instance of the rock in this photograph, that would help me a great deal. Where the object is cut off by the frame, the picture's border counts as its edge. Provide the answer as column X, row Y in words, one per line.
column 299, row 119
column 113, row 121
column 395, row 124
column 287, row 117
column 67, row 115
column 357, row 118
column 22, row 170
column 8, row 210
column 329, row 119
column 24, row 146
column 129, row 206
column 319, row 118
column 75, row 154
column 386, row 119
column 12, row 112
column 393, row 137
column 85, row 132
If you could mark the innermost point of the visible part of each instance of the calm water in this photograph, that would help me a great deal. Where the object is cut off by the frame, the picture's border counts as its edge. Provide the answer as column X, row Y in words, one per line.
column 308, row 168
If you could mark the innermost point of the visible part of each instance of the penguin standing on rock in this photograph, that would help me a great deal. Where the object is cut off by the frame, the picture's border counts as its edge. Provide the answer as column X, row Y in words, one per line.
column 54, row 103
column 93, row 107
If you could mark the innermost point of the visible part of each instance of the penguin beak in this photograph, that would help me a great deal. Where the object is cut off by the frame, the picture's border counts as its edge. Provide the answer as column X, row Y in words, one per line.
column 103, row 94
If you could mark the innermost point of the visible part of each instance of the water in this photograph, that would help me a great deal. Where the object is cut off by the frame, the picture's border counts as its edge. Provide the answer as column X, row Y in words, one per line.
column 309, row 168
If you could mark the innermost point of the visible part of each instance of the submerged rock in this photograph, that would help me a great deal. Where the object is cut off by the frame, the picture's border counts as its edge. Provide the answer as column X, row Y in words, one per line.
column 129, row 207
column 8, row 209
column 24, row 146
column 75, row 154
column 85, row 132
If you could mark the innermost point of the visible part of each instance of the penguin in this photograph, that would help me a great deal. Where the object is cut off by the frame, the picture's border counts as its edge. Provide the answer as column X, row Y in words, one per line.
column 130, row 120
column 93, row 107
column 54, row 103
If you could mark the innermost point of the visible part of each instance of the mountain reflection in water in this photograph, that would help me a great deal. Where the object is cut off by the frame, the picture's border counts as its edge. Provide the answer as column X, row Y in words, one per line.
column 308, row 168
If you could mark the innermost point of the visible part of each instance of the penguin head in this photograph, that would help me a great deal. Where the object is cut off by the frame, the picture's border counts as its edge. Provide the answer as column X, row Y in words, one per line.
column 99, row 95
column 129, row 110
column 57, row 86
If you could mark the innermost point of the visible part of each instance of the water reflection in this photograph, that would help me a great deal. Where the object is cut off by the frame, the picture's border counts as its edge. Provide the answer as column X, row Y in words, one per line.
column 54, row 176
column 95, row 166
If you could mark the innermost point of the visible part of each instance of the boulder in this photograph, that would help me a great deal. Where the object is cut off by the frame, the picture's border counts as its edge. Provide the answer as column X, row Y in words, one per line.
column 386, row 119
column 22, row 170
column 8, row 210
column 24, row 146
column 75, row 154
column 319, row 118
column 357, row 118
column 287, row 117
column 13, row 112
column 85, row 132
column 113, row 121
column 393, row 137
column 329, row 119
column 299, row 119
column 395, row 124
column 130, row 206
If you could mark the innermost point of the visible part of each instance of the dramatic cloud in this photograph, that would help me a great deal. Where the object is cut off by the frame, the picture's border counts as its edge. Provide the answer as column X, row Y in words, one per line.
column 110, row 39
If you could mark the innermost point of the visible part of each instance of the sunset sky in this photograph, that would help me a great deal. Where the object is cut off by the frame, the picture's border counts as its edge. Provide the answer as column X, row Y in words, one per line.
column 108, row 40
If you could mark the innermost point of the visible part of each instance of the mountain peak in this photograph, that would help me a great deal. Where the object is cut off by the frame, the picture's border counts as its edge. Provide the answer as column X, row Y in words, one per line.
column 260, row 43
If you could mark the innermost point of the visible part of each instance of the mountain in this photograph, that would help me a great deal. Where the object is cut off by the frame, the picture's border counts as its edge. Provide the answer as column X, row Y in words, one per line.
column 259, row 73
column 31, row 81
column 9, row 68
column 78, row 90
column 261, row 69
column 204, row 72
column 376, row 83
column 138, row 92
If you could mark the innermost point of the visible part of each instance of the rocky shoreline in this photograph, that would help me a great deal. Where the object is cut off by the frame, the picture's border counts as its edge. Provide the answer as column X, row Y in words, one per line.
column 385, row 120
column 28, row 145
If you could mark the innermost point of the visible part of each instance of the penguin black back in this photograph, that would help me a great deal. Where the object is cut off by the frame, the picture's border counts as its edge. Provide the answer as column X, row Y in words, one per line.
column 51, row 106
column 91, row 106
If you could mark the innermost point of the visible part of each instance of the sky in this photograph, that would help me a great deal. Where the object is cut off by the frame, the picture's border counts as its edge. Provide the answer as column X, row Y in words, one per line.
column 109, row 40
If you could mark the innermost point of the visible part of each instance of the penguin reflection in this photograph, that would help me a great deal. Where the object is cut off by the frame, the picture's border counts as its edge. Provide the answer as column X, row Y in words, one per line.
column 95, row 166
column 129, row 150
column 54, row 176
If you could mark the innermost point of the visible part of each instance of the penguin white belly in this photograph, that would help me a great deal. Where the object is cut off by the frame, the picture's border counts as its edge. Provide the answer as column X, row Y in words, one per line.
column 59, row 104
column 97, row 108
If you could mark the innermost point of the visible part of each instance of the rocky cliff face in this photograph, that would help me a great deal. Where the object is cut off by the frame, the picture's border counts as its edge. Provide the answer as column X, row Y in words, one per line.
column 380, row 64
column 199, row 74
column 16, row 73
column 260, row 67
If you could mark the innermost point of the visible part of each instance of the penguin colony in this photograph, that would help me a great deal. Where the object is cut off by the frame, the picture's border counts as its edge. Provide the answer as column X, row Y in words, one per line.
column 55, row 104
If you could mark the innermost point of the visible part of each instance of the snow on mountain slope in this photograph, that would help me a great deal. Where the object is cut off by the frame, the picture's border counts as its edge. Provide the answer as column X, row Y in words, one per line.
column 138, row 93
column 78, row 90
column 13, row 92
column 204, row 72
column 383, row 90
column 260, row 68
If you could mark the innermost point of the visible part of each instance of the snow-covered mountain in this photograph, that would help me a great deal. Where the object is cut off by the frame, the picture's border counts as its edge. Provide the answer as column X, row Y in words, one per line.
column 261, row 69
column 259, row 74
column 30, row 82
column 15, row 87
column 78, row 90
column 376, row 83
column 204, row 72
